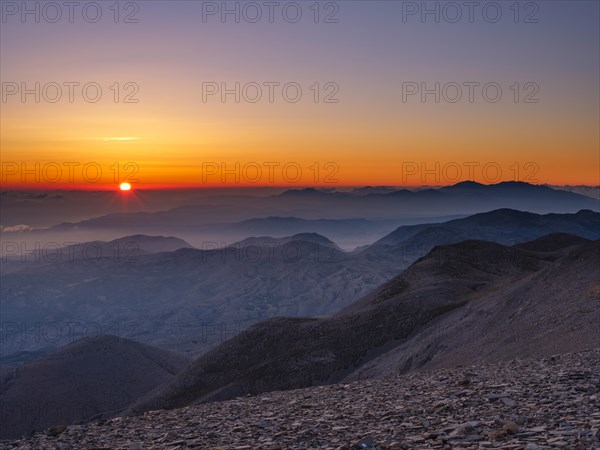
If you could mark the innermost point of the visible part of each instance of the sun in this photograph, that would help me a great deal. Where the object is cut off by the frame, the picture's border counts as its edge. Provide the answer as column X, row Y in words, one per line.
column 125, row 186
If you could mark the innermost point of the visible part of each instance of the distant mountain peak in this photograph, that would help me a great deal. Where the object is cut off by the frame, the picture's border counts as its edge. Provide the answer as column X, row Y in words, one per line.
column 303, row 192
column 153, row 244
column 468, row 183
column 366, row 190
column 312, row 237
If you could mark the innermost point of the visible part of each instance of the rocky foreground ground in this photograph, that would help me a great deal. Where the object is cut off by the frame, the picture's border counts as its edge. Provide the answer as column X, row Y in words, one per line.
column 522, row 404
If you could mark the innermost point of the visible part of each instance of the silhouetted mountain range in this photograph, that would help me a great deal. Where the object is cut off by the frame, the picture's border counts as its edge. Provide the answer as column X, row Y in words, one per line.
column 363, row 215
column 352, row 219
column 504, row 226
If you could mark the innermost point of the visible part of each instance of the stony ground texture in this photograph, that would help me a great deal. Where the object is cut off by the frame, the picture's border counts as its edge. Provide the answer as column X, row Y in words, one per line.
column 523, row 404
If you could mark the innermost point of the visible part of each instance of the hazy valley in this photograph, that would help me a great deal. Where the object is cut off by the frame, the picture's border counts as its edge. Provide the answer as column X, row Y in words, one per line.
column 474, row 302
column 103, row 328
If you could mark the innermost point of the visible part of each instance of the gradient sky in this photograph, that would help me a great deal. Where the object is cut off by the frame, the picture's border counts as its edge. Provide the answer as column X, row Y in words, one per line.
column 371, row 136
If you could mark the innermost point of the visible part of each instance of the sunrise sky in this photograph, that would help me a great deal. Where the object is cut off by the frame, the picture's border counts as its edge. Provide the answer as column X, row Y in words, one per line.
column 173, row 138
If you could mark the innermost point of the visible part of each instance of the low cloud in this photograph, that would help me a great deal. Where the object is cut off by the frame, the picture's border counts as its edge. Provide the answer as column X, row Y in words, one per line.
column 15, row 228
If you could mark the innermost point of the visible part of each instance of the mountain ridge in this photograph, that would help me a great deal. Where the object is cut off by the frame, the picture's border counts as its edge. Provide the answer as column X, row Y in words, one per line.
column 297, row 352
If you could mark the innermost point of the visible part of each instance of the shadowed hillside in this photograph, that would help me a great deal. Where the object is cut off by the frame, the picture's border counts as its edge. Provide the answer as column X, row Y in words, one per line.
column 88, row 378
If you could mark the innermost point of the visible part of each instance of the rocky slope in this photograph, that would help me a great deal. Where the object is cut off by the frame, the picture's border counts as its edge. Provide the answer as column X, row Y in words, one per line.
column 521, row 404
column 552, row 310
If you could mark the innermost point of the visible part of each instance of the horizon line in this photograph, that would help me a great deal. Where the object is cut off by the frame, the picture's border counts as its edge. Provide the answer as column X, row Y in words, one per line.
column 112, row 187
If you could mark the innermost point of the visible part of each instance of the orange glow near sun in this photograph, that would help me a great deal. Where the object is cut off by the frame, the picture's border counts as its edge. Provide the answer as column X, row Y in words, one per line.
column 125, row 186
